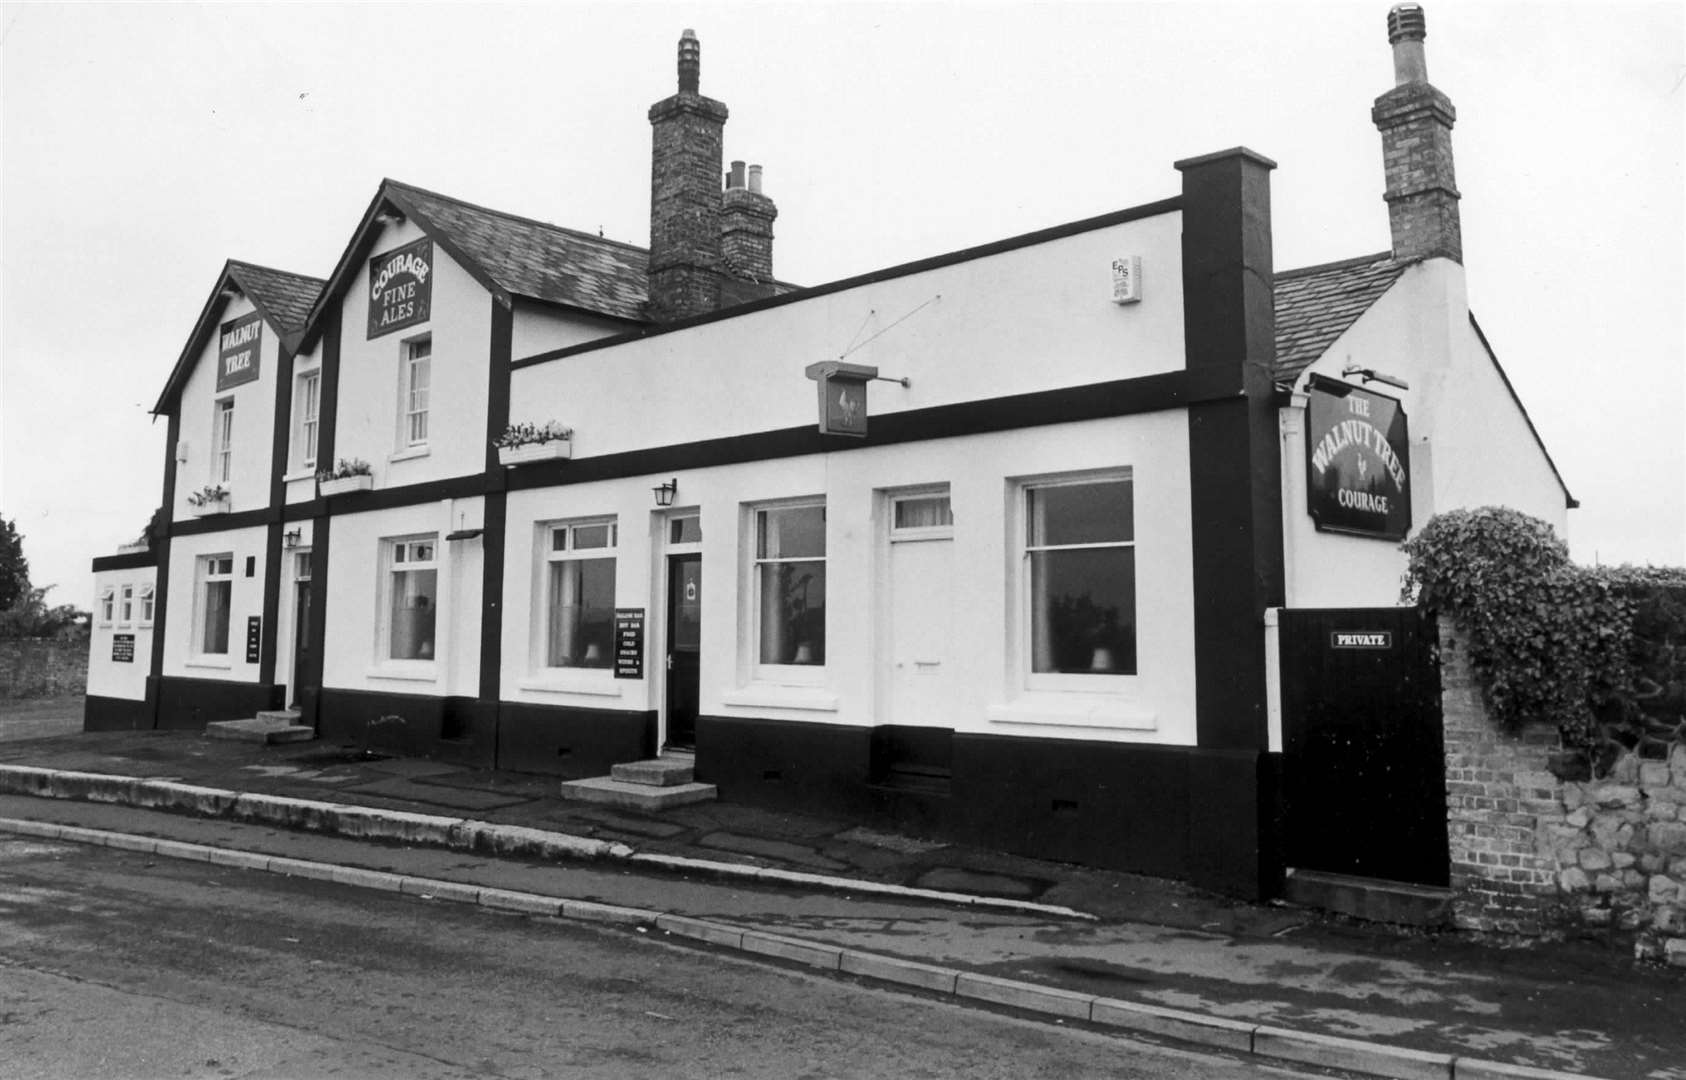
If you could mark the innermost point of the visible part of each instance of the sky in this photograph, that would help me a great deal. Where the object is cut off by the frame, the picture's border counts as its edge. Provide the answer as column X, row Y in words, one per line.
column 143, row 144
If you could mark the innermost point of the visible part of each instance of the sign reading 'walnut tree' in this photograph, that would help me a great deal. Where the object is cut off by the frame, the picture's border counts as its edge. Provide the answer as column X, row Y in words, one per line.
column 401, row 288
column 239, row 341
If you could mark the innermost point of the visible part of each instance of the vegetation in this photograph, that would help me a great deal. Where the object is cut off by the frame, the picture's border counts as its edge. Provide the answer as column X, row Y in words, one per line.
column 24, row 612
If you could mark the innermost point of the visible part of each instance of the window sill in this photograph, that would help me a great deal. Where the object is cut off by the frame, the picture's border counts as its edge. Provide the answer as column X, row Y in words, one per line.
column 409, row 454
column 423, row 672
column 210, row 663
column 764, row 696
column 297, row 475
column 1068, row 710
column 603, row 685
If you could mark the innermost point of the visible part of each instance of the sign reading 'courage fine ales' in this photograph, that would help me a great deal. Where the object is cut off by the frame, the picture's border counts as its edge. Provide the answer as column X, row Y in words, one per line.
column 401, row 288
column 1358, row 461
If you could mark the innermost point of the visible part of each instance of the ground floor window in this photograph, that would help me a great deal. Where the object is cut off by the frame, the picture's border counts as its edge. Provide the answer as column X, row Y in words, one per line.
column 579, row 591
column 789, row 582
column 412, row 598
column 216, row 592
column 1079, row 576
column 147, row 595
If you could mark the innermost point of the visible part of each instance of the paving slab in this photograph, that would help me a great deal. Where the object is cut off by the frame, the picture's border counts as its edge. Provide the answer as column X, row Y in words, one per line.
column 457, row 798
column 783, row 851
column 956, row 879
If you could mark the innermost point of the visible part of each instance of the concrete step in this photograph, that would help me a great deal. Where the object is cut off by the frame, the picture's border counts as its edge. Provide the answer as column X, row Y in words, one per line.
column 284, row 716
column 260, row 729
column 656, row 772
column 610, row 792
column 1371, row 899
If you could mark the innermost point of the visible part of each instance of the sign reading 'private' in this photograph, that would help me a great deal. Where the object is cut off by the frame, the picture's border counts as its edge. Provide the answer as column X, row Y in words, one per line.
column 1358, row 464
column 238, row 344
column 401, row 288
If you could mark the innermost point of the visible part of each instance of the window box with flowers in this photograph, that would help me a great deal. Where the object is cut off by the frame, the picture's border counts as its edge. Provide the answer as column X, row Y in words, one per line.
column 352, row 475
column 210, row 499
column 523, row 443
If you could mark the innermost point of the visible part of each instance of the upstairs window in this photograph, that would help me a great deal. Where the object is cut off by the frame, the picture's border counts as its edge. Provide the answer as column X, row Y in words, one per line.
column 1079, row 578
column 108, row 606
column 126, row 605
column 308, row 406
column 222, row 442
column 146, row 604
column 580, row 595
column 414, row 392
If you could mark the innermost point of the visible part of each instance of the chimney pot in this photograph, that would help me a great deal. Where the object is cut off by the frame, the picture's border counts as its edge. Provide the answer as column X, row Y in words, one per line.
column 690, row 62
column 735, row 179
column 755, row 179
column 1406, row 28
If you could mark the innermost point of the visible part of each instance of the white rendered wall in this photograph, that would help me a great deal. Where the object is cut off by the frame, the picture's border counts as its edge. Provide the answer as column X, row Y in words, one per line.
column 254, row 424
column 1470, row 445
column 181, row 654
column 351, row 657
column 1155, row 706
column 115, row 678
column 538, row 329
column 1033, row 318
column 368, row 409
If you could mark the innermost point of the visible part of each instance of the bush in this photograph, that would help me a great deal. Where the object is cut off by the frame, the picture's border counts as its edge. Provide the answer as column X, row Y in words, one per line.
column 1549, row 641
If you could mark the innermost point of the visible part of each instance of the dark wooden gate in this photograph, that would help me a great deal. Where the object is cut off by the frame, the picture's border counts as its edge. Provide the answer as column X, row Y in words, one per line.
column 1364, row 771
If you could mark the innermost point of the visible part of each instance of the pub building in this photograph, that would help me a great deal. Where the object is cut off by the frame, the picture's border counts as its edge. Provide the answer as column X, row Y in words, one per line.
column 1001, row 567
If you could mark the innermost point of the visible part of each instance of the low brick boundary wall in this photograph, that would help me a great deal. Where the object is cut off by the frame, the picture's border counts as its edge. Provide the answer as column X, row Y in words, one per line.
column 1532, row 854
column 42, row 667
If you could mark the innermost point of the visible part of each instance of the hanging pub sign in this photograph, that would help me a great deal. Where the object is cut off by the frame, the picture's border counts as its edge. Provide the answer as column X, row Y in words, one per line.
column 401, row 288
column 842, row 396
column 1358, row 463
column 238, row 344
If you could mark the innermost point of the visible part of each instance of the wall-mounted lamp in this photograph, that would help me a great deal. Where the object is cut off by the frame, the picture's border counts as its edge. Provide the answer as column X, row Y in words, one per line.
column 292, row 537
column 665, row 492
column 1372, row 375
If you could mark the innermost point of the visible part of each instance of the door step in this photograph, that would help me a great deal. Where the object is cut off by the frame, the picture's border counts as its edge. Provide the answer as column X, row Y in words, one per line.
column 608, row 791
column 270, row 726
column 1371, row 899
column 656, row 772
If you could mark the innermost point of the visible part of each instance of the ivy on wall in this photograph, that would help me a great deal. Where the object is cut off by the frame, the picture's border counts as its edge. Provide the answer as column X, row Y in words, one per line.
column 1549, row 641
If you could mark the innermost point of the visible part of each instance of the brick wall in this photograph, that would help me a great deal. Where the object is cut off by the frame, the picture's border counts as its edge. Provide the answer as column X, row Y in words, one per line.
column 42, row 667
column 1532, row 854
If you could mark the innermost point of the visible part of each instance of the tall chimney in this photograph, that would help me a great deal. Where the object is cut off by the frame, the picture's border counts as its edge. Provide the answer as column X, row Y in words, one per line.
column 1416, row 121
column 687, row 131
column 746, row 227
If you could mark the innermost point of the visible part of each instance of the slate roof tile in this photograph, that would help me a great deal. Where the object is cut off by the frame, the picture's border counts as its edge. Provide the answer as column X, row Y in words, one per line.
column 285, row 297
column 1316, row 304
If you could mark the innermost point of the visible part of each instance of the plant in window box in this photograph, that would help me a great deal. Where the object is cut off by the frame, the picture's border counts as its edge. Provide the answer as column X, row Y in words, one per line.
column 210, row 499
column 527, row 442
column 352, row 475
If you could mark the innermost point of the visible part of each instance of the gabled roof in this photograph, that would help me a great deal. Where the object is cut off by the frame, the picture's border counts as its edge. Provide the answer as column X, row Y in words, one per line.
column 283, row 299
column 510, row 256
column 1316, row 304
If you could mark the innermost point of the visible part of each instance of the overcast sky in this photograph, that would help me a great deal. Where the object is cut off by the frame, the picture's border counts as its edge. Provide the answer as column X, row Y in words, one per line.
column 145, row 143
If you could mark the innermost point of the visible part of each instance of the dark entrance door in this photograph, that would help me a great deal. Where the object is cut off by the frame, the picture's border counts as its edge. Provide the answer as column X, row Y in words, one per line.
column 301, row 637
column 684, row 647
column 1364, row 771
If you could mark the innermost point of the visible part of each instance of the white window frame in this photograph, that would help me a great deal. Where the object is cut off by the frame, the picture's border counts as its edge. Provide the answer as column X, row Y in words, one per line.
column 778, row 674
column 222, row 441
column 210, row 570
column 414, row 422
column 126, row 605
column 548, row 557
column 148, row 600
column 307, row 407
column 900, row 533
column 108, row 605
column 391, row 565
column 1030, row 679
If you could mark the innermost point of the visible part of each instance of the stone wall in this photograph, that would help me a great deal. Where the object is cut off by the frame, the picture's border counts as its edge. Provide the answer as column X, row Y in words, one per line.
column 1532, row 854
column 42, row 667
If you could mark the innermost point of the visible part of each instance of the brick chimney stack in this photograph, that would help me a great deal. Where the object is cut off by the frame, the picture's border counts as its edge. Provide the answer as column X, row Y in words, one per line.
column 746, row 226
column 687, row 133
column 1416, row 121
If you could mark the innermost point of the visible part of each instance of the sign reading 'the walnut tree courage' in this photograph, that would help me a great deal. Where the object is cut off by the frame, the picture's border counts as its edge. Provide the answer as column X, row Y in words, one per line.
column 401, row 288
column 1358, row 464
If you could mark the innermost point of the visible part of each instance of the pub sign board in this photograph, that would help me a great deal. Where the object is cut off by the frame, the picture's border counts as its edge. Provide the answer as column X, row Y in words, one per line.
column 842, row 396
column 401, row 288
column 239, row 343
column 1357, row 461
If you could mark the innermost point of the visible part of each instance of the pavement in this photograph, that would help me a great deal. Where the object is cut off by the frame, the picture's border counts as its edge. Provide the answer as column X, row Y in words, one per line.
column 1150, row 957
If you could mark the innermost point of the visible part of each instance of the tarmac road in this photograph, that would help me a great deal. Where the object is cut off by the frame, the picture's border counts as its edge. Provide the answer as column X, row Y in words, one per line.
column 118, row 964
